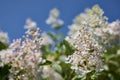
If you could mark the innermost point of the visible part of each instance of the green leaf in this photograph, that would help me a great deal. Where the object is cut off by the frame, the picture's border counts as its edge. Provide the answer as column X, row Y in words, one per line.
column 76, row 78
column 57, row 68
column 46, row 63
column 56, row 27
column 92, row 50
column 2, row 46
column 68, row 49
column 54, row 36
column 4, row 71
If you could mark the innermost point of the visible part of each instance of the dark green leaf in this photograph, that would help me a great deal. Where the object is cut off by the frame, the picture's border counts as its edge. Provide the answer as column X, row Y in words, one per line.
column 46, row 63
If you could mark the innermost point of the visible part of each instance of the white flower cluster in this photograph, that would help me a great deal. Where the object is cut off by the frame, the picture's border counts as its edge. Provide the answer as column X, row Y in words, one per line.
column 113, row 32
column 108, row 35
column 105, row 33
column 4, row 37
column 92, row 18
column 91, row 31
column 54, row 19
column 87, row 56
column 24, row 56
column 95, row 22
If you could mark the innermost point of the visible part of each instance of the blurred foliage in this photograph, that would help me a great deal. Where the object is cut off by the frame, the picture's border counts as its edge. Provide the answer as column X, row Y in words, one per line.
column 3, row 46
column 4, row 72
column 111, row 64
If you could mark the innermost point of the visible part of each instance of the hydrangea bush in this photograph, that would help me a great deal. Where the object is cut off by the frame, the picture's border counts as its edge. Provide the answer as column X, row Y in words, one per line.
column 90, row 51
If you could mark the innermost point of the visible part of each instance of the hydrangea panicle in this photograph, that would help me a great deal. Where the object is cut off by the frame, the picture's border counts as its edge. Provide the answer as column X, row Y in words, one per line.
column 25, row 55
column 87, row 56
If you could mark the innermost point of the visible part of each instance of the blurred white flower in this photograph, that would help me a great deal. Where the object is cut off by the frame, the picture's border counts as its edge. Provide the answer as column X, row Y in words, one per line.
column 54, row 19
column 73, row 28
column 118, row 52
column 63, row 57
column 95, row 22
column 4, row 37
column 31, row 25
column 114, row 28
column 51, row 74
column 113, row 31
column 46, row 40
column 3, row 53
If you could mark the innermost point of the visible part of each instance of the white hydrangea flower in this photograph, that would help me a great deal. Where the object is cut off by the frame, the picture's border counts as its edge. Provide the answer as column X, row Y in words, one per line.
column 87, row 56
column 25, row 56
column 4, row 37
column 90, row 30
column 109, row 35
column 54, row 19
column 94, row 20
column 105, row 33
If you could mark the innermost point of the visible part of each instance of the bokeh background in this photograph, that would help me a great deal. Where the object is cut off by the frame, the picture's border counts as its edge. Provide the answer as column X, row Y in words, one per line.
column 13, row 13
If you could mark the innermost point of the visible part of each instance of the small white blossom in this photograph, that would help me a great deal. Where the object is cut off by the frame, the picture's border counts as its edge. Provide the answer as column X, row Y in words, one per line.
column 31, row 25
column 46, row 40
column 54, row 19
column 4, row 37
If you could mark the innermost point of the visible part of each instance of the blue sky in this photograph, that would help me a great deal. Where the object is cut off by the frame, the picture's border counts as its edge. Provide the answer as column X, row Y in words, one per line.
column 13, row 13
